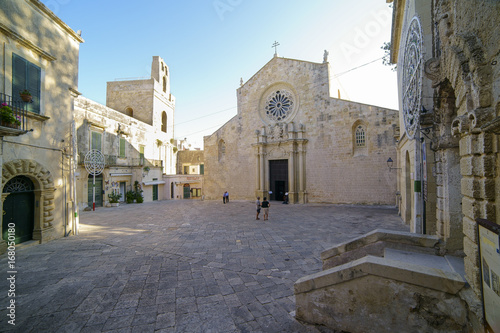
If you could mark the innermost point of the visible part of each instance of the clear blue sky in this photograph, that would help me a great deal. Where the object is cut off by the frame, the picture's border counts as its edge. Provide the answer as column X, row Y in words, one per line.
column 210, row 44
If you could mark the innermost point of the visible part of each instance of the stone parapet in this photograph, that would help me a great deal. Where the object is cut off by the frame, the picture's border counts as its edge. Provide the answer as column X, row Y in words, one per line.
column 397, row 297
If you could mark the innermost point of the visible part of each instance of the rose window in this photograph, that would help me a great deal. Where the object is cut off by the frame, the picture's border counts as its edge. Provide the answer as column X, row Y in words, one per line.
column 279, row 105
column 412, row 78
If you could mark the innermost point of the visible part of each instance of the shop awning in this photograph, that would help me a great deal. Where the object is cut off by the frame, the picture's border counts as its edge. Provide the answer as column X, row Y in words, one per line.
column 154, row 182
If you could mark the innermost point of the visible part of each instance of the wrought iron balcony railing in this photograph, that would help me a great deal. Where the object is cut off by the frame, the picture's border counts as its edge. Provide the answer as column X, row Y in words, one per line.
column 113, row 160
column 19, row 112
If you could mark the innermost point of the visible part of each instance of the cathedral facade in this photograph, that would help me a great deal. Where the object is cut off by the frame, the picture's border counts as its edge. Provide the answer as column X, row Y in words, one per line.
column 291, row 137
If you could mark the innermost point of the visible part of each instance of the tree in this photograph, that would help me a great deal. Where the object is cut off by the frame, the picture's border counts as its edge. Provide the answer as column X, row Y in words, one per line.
column 386, row 60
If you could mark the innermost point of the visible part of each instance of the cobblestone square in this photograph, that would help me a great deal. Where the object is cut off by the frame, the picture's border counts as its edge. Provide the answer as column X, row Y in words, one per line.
column 181, row 266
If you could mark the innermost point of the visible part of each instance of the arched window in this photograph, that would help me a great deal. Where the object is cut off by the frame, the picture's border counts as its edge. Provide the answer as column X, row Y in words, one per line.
column 164, row 122
column 129, row 112
column 360, row 138
column 359, row 134
column 222, row 149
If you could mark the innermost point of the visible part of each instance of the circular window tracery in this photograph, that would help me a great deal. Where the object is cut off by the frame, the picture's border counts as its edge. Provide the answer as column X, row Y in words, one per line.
column 412, row 78
column 279, row 105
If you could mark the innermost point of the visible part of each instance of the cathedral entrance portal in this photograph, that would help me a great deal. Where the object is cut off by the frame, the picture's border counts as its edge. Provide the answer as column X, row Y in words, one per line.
column 278, row 179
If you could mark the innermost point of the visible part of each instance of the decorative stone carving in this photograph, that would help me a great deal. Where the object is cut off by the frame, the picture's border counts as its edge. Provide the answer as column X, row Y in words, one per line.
column 278, row 104
column 412, row 78
column 44, row 183
column 479, row 117
column 460, row 125
column 277, row 152
column 432, row 70
column 276, row 132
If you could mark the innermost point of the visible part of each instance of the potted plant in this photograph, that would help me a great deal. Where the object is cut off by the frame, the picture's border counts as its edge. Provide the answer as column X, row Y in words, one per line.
column 26, row 95
column 114, row 198
column 146, row 168
column 7, row 117
column 130, row 196
column 138, row 192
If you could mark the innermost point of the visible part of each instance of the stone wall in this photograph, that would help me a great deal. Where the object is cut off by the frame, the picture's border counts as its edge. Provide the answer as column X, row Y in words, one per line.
column 31, row 31
column 189, row 158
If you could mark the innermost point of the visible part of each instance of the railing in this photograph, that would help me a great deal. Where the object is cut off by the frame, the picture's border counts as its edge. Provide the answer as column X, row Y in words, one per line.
column 113, row 160
column 18, row 109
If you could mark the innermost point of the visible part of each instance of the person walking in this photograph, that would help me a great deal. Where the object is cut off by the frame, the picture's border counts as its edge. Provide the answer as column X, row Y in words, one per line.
column 227, row 196
column 224, row 197
column 257, row 203
column 265, row 207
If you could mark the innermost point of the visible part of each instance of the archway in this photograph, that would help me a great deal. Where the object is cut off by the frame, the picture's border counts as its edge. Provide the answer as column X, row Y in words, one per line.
column 18, row 209
column 43, row 192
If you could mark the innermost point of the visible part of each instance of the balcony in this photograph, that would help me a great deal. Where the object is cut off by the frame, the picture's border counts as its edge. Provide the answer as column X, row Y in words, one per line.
column 116, row 161
column 19, row 112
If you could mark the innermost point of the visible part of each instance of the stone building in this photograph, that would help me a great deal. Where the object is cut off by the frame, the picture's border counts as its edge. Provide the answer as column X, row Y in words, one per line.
column 290, row 135
column 188, row 183
column 39, row 53
column 444, row 276
column 134, row 132
column 452, row 104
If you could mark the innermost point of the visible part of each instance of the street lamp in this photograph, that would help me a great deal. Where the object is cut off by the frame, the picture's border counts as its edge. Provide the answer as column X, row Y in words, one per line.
column 390, row 162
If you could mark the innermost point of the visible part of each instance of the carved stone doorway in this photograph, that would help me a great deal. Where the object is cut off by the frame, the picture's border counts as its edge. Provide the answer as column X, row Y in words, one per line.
column 278, row 179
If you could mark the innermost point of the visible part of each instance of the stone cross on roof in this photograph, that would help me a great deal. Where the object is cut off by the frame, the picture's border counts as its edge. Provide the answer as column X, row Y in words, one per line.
column 275, row 45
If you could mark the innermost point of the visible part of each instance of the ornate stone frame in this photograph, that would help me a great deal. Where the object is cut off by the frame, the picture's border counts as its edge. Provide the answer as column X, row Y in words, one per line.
column 279, row 86
column 44, row 192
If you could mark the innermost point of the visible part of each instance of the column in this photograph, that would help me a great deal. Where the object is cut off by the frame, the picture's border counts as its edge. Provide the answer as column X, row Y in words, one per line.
column 262, row 170
column 302, row 194
column 257, row 169
column 417, row 225
column 291, row 175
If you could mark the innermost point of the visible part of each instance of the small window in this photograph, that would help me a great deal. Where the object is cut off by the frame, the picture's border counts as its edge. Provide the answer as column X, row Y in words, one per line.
column 96, row 140
column 122, row 147
column 141, row 155
column 164, row 122
column 186, row 169
column 164, row 85
column 129, row 112
column 360, row 137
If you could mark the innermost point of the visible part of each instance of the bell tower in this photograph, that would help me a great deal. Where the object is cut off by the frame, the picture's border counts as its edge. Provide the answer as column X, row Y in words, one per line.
column 160, row 72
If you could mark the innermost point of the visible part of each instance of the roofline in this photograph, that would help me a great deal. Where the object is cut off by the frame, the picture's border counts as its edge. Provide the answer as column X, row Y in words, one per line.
column 276, row 57
column 56, row 19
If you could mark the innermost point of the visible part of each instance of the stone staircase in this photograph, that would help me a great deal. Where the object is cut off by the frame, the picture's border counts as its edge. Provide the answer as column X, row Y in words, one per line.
column 385, row 281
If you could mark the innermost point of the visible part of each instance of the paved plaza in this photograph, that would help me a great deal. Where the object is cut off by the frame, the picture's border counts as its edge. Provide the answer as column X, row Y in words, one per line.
column 180, row 266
